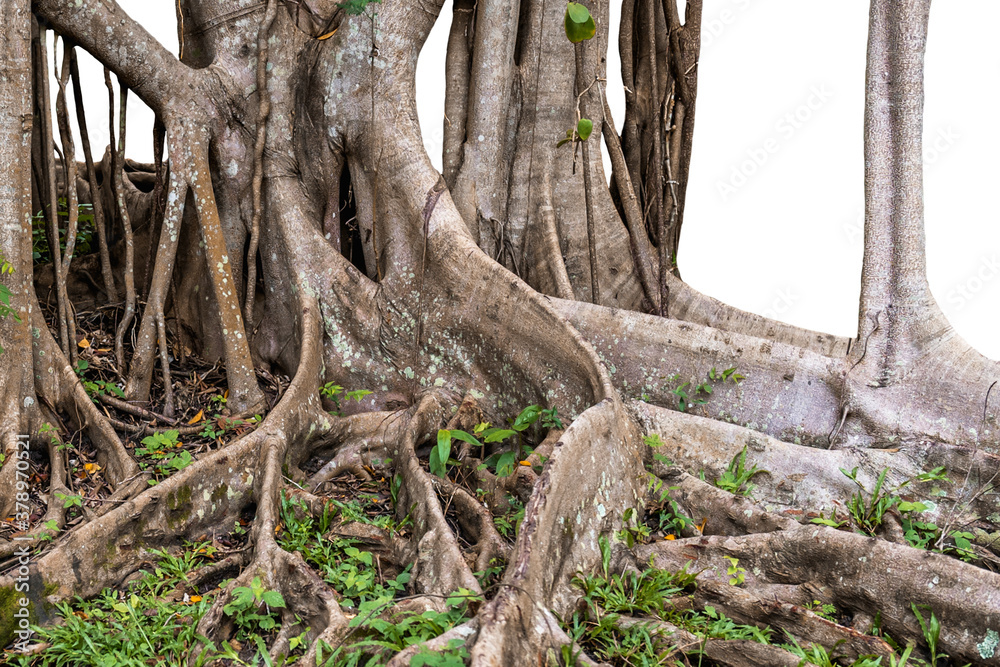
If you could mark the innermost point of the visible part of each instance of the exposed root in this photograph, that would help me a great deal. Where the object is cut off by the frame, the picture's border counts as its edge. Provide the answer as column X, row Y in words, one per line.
column 744, row 606
column 477, row 521
column 728, row 652
column 359, row 440
column 857, row 574
column 594, row 474
column 118, row 172
column 440, row 567
column 796, row 480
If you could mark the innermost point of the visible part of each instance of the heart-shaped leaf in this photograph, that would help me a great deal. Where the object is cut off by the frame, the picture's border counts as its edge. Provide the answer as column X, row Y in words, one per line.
column 584, row 127
column 579, row 23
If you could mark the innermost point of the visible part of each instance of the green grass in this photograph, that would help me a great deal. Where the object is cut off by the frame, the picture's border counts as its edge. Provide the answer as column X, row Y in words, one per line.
column 141, row 626
column 609, row 596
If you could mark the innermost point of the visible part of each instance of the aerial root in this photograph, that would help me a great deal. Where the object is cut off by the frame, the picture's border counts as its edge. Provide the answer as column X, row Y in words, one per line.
column 857, row 574
column 152, row 327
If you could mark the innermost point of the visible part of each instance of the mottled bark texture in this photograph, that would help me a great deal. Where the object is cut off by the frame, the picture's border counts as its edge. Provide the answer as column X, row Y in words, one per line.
column 482, row 282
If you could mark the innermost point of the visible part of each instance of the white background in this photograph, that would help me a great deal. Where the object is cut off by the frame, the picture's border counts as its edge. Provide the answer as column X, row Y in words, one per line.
column 774, row 214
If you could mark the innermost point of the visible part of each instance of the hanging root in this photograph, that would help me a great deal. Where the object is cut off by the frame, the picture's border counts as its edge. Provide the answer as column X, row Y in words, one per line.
column 152, row 329
column 118, row 174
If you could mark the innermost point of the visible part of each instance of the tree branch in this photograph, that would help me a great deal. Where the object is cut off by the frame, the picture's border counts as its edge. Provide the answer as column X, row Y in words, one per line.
column 108, row 33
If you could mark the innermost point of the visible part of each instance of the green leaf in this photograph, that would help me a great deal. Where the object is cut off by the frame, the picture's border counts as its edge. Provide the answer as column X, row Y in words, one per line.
column 527, row 417
column 577, row 13
column 466, row 437
column 497, row 434
column 584, row 127
column 906, row 506
column 579, row 32
column 357, row 394
column 506, row 464
column 440, row 453
column 273, row 598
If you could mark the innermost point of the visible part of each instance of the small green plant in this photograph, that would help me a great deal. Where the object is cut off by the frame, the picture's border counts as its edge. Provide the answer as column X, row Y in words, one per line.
column 726, row 375
column 506, row 524
column 823, row 610
column 737, row 575
column 347, row 568
column 632, row 592
column 669, row 517
column 69, row 501
column 160, row 452
column 454, row 655
column 250, row 607
column 688, row 395
column 379, row 637
column 931, row 630
column 713, row 624
column 607, row 641
column 440, row 457
column 333, row 391
column 633, row 532
column 868, row 513
column 51, row 530
column 140, row 626
column 504, row 461
column 736, row 478
column 550, row 418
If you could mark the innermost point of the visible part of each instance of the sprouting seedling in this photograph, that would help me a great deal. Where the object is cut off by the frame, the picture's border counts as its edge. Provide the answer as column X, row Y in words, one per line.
column 584, row 128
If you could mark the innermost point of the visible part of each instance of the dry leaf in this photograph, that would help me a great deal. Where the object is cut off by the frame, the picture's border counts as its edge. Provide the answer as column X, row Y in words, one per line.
column 327, row 35
column 91, row 467
column 197, row 418
column 84, row 343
